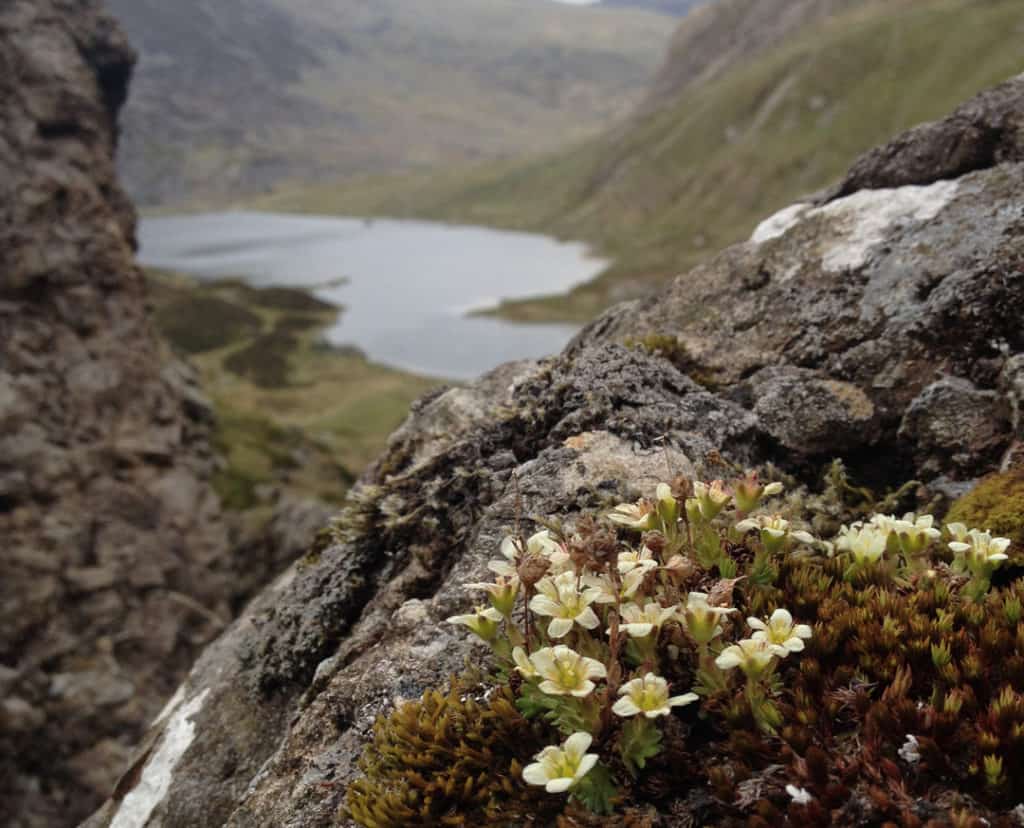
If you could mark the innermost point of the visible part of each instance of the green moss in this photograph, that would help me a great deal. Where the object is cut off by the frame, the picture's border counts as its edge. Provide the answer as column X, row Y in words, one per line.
column 204, row 322
column 995, row 504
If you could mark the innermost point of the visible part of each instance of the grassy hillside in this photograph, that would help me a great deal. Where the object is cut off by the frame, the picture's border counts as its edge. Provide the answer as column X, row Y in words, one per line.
column 290, row 411
column 233, row 96
column 702, row 165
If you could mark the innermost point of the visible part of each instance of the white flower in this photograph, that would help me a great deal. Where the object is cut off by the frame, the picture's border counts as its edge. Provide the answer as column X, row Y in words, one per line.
column 523, row 663
column 639, row 516
column 776, row 534
column 503, row 592
column 909, row 752
column 565, row 672
column 483, row 621
column 752, row 655
column 957, row 531
column 865, row 543
column 631, row 559
column 798, row 795
column 703, row 621
column 887, row 523
column 638, row 623
column 605, row 589
column 559, row 768
column 540, row 543
column 648, row 695
column 981, row 553
column 561, row 599
column 781, row 634
column 915, row 533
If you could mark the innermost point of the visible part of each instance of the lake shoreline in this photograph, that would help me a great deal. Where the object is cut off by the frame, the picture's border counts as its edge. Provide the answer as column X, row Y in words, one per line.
column 421, row 297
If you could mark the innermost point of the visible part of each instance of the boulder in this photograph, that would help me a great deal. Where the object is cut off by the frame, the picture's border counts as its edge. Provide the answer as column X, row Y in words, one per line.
column 848, row 327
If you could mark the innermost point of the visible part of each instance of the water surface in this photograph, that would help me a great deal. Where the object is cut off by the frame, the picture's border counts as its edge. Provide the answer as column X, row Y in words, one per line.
column 407, row 286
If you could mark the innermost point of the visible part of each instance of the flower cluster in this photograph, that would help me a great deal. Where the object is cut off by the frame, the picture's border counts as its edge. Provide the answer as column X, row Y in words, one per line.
column 590, row 624
column 623, row 664
column 885, row 544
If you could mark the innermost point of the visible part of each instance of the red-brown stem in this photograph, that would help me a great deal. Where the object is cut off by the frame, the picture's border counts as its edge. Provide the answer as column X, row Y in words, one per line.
column 612, row 686
column 527, row 625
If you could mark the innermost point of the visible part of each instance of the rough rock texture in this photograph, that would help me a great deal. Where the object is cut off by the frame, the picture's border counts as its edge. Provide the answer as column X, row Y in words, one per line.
column 114, row 553
column 882, row 327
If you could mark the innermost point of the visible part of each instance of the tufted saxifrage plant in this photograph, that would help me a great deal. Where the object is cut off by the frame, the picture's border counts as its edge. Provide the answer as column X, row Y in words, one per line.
column 868, row 672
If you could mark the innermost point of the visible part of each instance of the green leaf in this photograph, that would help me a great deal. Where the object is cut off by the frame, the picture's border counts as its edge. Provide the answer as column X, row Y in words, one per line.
column 640, row 741
column 710, row 680
column 566, row 713
column 532, row 702
column 597, row 791
column 762, row 572
column 707, row 545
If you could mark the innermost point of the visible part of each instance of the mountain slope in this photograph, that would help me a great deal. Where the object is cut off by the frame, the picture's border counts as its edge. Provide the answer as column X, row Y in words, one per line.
column 705, row 159
column 234, row 96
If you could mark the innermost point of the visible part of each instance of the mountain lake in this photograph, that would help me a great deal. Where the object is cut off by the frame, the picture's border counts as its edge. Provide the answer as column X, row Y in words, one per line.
column 407, row 289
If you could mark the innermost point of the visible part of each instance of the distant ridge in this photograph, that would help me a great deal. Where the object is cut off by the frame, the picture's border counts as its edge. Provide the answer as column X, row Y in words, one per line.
column 233, row 97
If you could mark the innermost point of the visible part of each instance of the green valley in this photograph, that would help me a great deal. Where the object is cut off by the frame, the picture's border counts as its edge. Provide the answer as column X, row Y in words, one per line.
column 290, row 410
column 728, row 136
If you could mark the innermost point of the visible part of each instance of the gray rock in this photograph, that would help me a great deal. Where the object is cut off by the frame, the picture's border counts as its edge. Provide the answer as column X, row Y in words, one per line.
column 986, row 131
column 14, row 406
column 956, row 426
column 89, row 690
column 1012, row 384
column 90, row 578
column 18, row 716
column 88, row 419
column 811, row 415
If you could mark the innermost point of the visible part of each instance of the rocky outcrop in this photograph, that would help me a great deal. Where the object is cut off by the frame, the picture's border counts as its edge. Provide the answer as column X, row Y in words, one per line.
column 882, row 326
column 907, row 294
column 115, row 556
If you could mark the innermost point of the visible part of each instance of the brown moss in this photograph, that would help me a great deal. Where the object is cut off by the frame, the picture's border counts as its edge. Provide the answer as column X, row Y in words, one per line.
column 452, row 758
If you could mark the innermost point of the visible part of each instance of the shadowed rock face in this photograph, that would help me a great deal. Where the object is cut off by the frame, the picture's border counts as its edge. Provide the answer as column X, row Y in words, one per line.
column 114, row 556
column 882, row 326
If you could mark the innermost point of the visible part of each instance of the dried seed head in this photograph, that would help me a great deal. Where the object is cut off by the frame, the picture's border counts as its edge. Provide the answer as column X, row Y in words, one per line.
column 532, row 568
column 682, row 488
column 655, row 541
